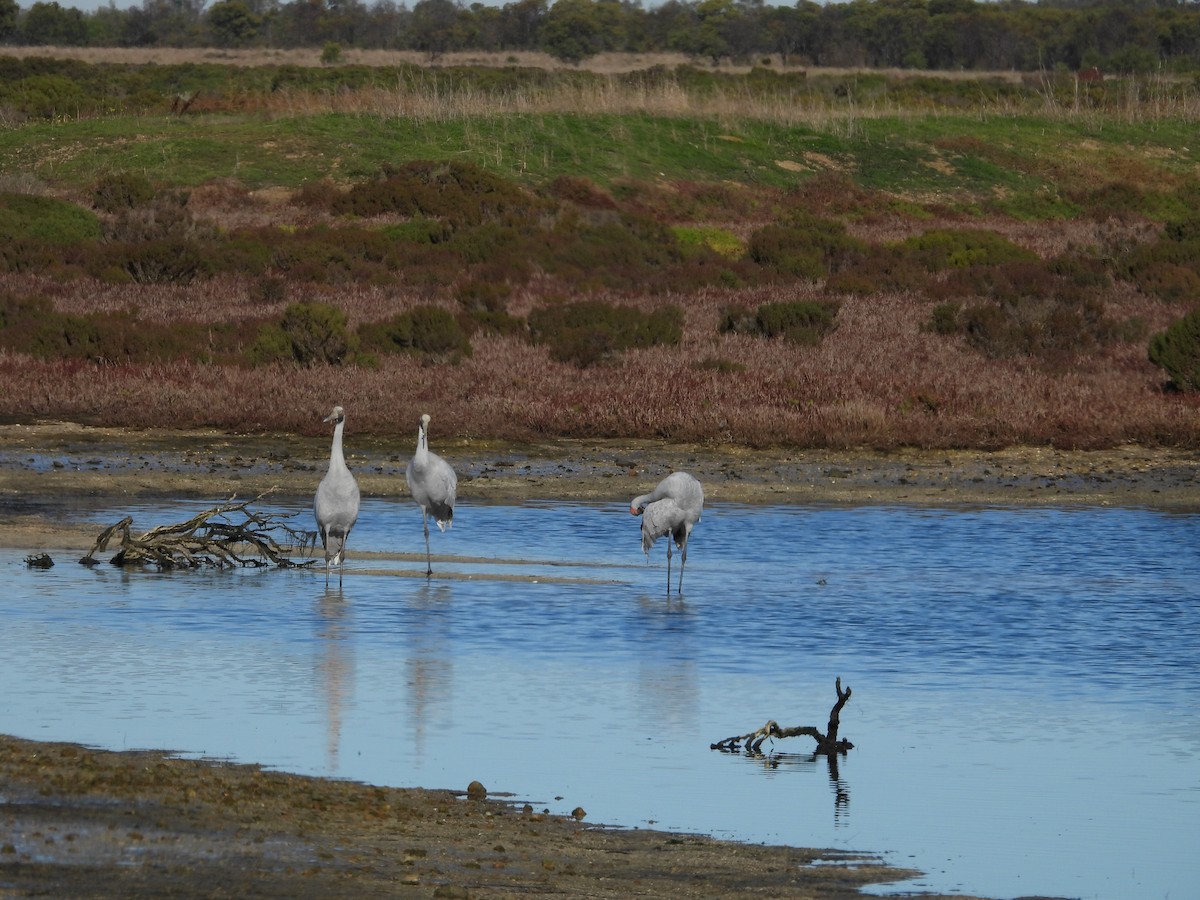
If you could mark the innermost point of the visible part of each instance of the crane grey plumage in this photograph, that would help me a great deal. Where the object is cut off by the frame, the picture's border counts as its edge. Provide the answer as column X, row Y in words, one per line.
column 433, row 485
column 672, row 508
column 336, row 503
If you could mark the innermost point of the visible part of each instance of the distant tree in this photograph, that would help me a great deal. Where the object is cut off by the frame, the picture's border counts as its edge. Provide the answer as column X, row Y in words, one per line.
column 786, row 27
column 572, row 31
column 175, row 23
column 8, row 18
column 232, row 23
column 488, row 26
column 521, row 22
column 49, row 23
column 434, row 27
column 707, row 34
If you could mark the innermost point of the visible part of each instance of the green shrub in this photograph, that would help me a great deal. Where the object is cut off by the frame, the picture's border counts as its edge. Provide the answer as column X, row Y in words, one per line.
column 1168, row 268
column 45, row 220
column 799, row 321
column 160, row 261
column 331, row 53
column 121, row 190
column 739, row 319
column 719, row 240
column 1046, row 327
column 485, row 302
column 943, row 249
column 592, row 331
column 32, row 325
column 883, row 269
column 806, row 246
column 428, row 330
column 1177, row 350
column 309, row 334
column 459, row 192
column 944, row 320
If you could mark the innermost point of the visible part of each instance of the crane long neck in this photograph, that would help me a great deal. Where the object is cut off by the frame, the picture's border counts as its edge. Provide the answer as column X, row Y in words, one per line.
column 422, row 442
column 336, row 458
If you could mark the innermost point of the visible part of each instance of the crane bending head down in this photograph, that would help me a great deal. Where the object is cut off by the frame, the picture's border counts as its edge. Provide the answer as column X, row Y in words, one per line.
column 672, row 508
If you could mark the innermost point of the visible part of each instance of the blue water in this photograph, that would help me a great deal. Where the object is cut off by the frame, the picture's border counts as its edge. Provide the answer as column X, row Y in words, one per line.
column 1026, row 682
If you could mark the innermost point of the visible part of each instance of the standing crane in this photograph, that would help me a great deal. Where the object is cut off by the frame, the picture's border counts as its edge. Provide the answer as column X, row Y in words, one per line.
column 433, row 486
column 336, row 504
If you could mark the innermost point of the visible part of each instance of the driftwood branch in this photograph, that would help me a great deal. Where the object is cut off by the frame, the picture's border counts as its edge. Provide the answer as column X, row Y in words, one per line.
column 828, row 743
column 209, row 538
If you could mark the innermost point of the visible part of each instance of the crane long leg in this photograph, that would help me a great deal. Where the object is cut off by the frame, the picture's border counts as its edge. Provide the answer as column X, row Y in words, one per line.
column 682, row 563
column 428, row 561
column 668, row 568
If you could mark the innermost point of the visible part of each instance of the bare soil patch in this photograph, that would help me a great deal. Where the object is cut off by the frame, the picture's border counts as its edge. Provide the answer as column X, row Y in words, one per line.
column 87, row 823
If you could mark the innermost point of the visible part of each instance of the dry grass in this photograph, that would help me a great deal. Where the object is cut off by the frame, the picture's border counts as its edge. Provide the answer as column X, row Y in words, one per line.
column 1145, row 99
column 879, row 380
column 603, row 63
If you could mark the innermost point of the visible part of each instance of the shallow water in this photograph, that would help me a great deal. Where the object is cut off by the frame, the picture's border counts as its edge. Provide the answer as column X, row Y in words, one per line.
column 1025, row 681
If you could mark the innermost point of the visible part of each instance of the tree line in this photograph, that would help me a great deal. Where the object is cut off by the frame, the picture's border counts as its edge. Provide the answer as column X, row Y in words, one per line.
column 1119, row 36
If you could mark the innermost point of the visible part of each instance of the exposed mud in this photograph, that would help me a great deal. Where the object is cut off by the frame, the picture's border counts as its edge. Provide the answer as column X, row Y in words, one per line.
column 81, row 823
column 60, row 460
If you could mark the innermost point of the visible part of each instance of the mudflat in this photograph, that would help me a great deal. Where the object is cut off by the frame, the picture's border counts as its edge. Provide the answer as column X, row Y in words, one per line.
column 81, row 822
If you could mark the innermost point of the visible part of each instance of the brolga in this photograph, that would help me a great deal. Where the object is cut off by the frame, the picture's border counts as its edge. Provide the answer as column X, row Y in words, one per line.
column 336, row 504
column 433, row 486
column 673, row 508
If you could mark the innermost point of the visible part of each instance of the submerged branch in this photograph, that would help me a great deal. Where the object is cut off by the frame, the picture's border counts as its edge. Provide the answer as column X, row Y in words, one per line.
column 209, row 538
column 826, row 743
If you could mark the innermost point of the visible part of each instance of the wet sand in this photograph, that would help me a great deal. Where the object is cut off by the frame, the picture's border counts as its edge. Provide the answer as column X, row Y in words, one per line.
column 78, row 822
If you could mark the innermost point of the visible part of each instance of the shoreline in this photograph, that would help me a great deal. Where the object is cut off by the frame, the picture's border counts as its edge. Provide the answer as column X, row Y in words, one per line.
column 61, row 460
column 82, row 822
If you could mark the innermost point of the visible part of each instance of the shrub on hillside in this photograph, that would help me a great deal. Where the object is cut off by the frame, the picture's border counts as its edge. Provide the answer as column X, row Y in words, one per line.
column 583, row 192
column 804, row 247
column 799, row 321
column 427, row 330
column 121, row 190
column 32, row 325
column 621, row 253
column 159, row 261
column 882, row 269
column 165, row 217
column 309, row 334
column 459, row 192
column 1168, row 268
column 45, row 220
column 320, row 194
column 485, row 302
column 592, row 331
column 1044, row 326
column 1177, row 350
column 959, row 248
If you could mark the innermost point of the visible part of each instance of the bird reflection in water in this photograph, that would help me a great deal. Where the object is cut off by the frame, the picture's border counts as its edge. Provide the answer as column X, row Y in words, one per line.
column 334, row 668
column 427, row 664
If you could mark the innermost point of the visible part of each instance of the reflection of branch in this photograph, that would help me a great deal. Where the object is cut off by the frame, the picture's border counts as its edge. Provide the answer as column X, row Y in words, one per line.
column 208, row 538
column 826, row 743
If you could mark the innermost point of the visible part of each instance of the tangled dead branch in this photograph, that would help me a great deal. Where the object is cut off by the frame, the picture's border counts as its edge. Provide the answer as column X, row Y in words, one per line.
column 828, row 743
column 210, row 538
